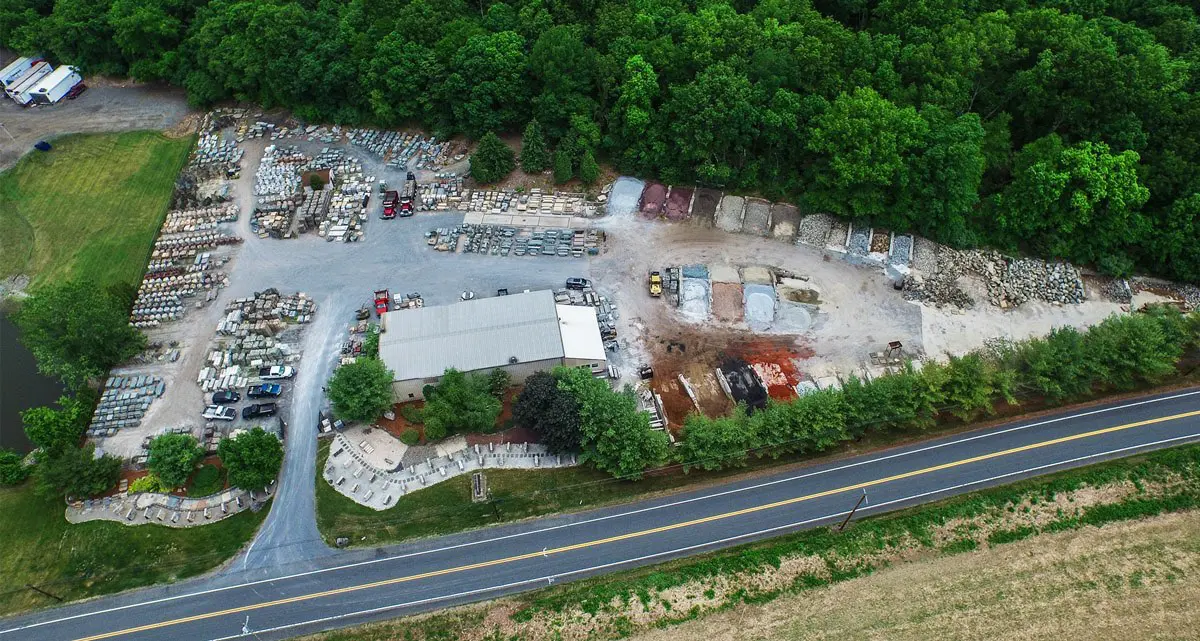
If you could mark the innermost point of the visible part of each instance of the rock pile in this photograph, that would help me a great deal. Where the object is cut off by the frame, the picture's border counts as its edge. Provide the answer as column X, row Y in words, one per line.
column 941, row 286
column 124, row 402
column 859, row 241
column 1012, row 281
column 901, row 250
column 397, row 148
column 1117, row 290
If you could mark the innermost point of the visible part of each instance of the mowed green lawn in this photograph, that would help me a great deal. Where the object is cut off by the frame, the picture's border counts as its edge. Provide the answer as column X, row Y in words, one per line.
column 100, row 557
column 90, row 207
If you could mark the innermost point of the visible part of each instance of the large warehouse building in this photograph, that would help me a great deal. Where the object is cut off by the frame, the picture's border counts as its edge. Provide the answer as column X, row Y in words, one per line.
column 521, row 333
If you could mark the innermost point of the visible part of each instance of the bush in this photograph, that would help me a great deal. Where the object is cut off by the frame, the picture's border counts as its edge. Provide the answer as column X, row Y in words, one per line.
column 251, row 459
column 149, row 483
column 50, row 429
column 173, row 457
column 492, row 160
column 460, row 403
column 370, row 344
column 13, row 470
column 410, row 437
column 589, row 171
column 361, row 391
column 535, row 157
column 412, row 414
column 76, row 472
column 564, row 169
column 499, row 380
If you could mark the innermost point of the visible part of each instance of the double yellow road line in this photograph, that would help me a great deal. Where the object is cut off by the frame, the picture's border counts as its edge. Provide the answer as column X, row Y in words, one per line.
column 638, row 534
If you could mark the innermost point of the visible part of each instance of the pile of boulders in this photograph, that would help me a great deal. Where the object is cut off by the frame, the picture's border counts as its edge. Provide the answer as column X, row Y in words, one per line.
column 1012, row 281
column 940, row 287
column 1117, row 290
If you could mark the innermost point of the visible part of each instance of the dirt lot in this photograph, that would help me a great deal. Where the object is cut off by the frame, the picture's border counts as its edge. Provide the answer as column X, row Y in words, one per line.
column 848, row 310
column 103, row 107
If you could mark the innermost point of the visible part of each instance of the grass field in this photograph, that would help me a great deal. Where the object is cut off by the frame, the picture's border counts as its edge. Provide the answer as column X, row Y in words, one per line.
column 516, row 494
column 1133, row 580
column 90, row 207
column 89, row 559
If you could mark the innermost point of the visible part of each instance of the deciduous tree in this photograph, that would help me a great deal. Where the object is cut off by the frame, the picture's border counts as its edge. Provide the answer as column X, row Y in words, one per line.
column 173, row 457
column 361, row 391
column 251, row 459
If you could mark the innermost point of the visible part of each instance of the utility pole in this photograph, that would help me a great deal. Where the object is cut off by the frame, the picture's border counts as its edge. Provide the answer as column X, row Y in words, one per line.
column 853, row 510
column 41, row 591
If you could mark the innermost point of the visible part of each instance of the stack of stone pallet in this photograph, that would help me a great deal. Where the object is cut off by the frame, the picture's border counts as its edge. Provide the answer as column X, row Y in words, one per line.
column 201, row 219
column 124, row 402
column 257, row 129
column 445, row 192
column 167, row 283
column 213, row 151
column 278, row 173
column 246, row 337
column 315, row 208
column 188, row 244
column 345, row 215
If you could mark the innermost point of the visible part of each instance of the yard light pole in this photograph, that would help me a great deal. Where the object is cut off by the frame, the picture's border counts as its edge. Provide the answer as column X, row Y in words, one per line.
column 10, row 136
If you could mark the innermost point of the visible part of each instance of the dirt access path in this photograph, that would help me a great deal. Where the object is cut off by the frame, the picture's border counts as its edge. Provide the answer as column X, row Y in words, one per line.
column 105, row 107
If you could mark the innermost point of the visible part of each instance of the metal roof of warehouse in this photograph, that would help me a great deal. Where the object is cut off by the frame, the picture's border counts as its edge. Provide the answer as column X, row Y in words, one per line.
column 471, row 335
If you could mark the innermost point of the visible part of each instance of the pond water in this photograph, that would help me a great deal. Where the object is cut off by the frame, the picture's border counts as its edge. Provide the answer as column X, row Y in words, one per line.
column 21, row 387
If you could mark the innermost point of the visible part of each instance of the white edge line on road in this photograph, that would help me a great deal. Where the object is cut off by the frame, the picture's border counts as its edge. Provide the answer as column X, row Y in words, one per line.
column 602, row 518
column 548, row 578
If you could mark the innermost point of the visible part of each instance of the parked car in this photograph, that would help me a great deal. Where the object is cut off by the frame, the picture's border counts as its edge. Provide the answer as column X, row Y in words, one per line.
column 277, row 372
column 226, row 397
column 467, row 295
column 266, row 390
column 578, row 283
column 259, row 410
column 219, row 413
column 75, row 91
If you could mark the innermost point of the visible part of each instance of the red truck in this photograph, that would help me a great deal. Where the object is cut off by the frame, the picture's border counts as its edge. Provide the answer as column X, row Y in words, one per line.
column 390, row 200
column 383, row 300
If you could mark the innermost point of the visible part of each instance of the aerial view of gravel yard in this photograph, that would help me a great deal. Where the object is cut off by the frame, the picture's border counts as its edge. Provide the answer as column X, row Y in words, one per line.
column 547, row 319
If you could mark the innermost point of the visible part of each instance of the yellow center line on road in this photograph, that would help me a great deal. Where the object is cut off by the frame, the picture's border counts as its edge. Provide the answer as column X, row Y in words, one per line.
column 640, row 533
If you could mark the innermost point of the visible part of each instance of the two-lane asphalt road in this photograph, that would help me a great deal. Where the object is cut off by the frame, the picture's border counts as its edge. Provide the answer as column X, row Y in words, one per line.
column 365, row 585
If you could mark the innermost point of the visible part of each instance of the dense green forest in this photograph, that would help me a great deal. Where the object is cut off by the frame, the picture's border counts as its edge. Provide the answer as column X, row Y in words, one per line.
column 1067, row 128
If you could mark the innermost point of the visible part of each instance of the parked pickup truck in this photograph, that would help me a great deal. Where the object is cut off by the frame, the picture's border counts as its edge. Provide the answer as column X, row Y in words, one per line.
column 259, row 410
column 219, row 413
column 265, row 390
column 276, row 373
column 225, row 397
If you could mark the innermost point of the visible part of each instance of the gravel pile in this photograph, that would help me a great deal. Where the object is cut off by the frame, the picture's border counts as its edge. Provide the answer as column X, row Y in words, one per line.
column 925, row 254
column 901, row 246
column 814, row 229
column 860, row 240
column 837, row 234
column 1189, row 293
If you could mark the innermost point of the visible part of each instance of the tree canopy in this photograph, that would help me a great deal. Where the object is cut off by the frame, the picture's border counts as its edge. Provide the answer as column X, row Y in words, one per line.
column 362, row 390
column 252, row 458
column 1069, row 129
column 77, row 331
column 173, row 457
column 492, row 160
